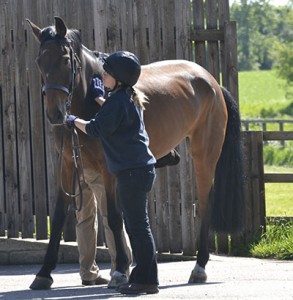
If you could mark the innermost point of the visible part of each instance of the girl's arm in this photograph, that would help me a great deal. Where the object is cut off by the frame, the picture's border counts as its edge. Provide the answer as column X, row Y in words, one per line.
column 80, row 124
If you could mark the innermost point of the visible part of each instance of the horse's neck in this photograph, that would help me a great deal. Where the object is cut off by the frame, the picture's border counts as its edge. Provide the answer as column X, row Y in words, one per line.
column 90, row 64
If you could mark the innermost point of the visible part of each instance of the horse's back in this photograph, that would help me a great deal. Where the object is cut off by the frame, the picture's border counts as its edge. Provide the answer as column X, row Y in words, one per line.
column 181, row 94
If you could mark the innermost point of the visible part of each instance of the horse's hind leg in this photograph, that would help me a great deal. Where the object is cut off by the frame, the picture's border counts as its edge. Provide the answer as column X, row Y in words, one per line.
column 43, row 279
column 205, row 150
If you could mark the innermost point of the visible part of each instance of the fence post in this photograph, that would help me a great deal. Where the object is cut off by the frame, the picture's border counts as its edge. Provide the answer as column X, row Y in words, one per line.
column 254, row 189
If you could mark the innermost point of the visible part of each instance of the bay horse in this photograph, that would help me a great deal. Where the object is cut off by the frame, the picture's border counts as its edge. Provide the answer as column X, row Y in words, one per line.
column 184, row 101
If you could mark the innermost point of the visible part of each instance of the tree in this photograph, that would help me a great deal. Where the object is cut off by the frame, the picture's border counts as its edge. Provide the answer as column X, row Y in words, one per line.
column 260, row 25
column 283, row 55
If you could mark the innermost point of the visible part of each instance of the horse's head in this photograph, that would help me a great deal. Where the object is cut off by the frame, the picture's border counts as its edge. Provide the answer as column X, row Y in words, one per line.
column 59, row 64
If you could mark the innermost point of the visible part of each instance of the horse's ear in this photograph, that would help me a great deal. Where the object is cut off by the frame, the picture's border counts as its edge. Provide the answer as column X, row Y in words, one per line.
column 61, row 28
column 36, row 30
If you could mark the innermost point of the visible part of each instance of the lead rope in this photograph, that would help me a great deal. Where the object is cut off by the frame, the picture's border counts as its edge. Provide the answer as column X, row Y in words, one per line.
column 78, row 170
column 78, row 173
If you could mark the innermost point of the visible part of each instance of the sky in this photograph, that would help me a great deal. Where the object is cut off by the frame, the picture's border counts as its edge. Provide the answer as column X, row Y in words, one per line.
column 273, row 2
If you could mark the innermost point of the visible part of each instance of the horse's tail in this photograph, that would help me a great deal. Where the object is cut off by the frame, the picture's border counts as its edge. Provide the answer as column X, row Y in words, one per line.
column 228, row 202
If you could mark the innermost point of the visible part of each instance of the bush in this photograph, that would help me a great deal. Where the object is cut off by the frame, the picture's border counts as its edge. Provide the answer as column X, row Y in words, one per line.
column 276, row 154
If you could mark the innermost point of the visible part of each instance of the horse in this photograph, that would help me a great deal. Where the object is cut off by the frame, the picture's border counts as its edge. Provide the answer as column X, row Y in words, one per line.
column 184, row 102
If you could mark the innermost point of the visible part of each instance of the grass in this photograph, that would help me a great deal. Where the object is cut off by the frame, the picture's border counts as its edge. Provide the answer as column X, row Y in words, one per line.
column 261, row 94
column 279, row 199
column 276, row 242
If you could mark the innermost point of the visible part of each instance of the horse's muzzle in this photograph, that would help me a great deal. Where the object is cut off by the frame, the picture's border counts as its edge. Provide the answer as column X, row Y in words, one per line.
column 58, row 118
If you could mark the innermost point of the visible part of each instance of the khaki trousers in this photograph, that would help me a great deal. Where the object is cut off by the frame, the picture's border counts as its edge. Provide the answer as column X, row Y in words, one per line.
column 94, row 197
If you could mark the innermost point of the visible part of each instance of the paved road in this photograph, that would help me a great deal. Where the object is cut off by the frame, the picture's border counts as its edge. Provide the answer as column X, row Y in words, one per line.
column 228, row 278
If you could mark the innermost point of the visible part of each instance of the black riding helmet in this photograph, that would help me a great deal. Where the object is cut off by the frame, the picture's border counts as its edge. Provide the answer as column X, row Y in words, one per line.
column 124, row 66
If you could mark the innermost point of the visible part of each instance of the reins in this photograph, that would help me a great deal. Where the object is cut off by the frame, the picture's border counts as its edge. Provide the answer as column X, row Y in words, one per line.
column 78, row 170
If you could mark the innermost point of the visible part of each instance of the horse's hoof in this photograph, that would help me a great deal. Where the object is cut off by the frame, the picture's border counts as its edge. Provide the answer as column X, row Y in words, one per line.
column 117, row 279
column 198, row 275
column 41, row 283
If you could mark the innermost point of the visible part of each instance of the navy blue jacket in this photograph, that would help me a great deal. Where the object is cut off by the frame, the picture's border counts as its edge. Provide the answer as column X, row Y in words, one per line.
column 119, row 123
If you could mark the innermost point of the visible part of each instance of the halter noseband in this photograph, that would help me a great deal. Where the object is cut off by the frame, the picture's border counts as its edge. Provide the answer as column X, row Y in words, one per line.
column 56, row 86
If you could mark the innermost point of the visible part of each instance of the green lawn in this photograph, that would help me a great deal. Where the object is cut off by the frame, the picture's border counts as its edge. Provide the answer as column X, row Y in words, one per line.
column 259, row 92
column 279, row 196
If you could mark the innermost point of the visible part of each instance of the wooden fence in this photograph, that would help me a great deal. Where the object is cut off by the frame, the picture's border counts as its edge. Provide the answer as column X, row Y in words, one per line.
column 154, row 29
column 253, row 142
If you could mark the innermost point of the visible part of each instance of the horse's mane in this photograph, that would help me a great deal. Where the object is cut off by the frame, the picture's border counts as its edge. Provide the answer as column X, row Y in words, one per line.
column 49, row 34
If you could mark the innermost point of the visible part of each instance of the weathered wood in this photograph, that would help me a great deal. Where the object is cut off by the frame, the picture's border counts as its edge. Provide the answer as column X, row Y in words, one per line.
column 9, row 123
column 209, row 35
column 198, row 20
column 230, row 68
column 162, row 211
column 174, row 200
column 213, row 58
column 278, row 178
column 23, row 124
column 278, row 135
column 187, row 203
column 37, row 131
column 3, row 62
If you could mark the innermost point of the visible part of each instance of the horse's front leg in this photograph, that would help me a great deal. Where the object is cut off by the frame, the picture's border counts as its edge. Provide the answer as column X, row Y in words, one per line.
column 43, row 279
column 118, row 245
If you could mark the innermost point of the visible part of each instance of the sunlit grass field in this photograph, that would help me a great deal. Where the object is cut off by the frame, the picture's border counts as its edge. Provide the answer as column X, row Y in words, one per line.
column 261, row 93
column 279, row 196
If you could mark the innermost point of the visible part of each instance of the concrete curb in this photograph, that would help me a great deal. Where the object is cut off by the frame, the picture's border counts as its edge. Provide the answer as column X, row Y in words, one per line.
column 30, row 251
column 16, row 251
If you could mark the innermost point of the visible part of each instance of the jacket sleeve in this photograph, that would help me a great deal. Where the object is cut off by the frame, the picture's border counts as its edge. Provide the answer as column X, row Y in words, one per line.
column 107, row 120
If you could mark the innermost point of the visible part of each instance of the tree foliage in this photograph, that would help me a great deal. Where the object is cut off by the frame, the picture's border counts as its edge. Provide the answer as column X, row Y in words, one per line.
column 283, row 55
column 261, row 29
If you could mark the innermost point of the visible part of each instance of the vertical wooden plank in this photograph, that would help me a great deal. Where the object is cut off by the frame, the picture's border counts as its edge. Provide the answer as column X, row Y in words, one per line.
column 230, row 62
column 127, row 29
column 113, row 26
column 85, row 24
column 140, row 31
column 212, row 46
column 59, row 10
column 9, row 126
column 2, row 190
column 187, row 202
column 182, row 20
column 258, row 211
column 100, row 25
column 224, row 16
column 162, row 209
column 23, row 126
column 3, row 33
column 37, row 128
column 154, row 26
column 168, row 29
column 198, row 21
column 175, row 228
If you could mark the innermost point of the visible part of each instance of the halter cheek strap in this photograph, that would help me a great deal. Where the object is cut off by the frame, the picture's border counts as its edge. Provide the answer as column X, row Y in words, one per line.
column 63, row 88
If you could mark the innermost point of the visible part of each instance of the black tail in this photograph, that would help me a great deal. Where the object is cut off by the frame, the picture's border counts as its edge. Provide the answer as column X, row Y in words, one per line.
column 228, row 203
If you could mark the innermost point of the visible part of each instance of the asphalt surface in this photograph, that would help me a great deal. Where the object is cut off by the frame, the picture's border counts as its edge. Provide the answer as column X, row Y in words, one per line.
column 228, row 278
